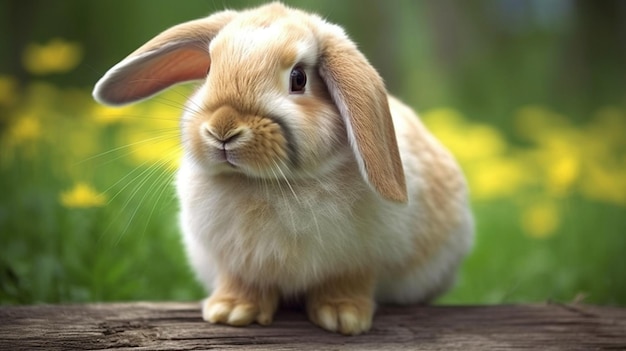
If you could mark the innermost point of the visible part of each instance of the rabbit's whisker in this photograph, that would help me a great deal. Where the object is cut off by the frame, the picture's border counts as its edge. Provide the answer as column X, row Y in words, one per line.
column 172, row 133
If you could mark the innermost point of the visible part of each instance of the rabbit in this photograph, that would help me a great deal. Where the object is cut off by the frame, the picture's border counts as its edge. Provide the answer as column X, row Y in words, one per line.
column 301, row 178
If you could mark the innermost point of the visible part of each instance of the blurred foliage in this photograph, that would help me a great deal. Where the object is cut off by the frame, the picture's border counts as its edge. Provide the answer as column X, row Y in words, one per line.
column 529, row 95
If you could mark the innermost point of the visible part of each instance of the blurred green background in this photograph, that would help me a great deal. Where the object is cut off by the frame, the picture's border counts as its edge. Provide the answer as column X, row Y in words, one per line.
column 529, row 95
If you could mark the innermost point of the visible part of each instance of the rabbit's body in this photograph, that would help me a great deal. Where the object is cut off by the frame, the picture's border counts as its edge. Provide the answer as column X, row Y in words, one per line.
column 293, row 181
column 293, row 233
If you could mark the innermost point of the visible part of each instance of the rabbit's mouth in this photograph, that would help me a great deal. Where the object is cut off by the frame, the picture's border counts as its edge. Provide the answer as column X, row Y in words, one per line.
column 225, row 156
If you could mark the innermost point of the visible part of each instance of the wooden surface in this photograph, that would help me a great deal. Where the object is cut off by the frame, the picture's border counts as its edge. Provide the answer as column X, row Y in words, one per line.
column 178, row 326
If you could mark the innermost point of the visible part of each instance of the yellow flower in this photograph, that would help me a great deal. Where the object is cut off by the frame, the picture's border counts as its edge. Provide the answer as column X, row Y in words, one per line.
column 467, row 141
column 483, row 141
column 447, row 124
column 562, row 174
column 156, row 148
column 23, row 136
column 559, row 157
column 496, row 177
column 603, row 176
column 483, row 151
column 82, row 195
column 26, row 129
column 57, row 56
column 604, row 184
column 111, row 115
column 155, row 138
column 541, row 220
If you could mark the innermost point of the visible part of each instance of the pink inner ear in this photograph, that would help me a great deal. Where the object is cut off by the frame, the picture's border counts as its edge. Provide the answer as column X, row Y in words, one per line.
column 147, row 75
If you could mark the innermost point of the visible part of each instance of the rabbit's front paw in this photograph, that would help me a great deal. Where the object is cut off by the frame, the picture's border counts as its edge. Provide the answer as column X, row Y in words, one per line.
column 239, row 309
column 348, row 317
column 343, row 304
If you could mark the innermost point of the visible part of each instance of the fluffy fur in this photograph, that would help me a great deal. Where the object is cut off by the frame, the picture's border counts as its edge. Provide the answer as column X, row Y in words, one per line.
column 312, row 194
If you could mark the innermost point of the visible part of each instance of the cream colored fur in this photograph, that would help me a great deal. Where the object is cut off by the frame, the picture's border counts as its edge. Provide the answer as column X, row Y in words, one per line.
column 309, row 199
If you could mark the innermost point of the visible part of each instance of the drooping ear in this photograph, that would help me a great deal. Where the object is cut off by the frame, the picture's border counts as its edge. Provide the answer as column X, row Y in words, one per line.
column 178, row 54
column 361, row 98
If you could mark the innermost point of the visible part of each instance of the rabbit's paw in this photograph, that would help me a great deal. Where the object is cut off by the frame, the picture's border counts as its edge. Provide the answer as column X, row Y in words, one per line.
column 343, row 304
column 238, row 310
column 348, row 317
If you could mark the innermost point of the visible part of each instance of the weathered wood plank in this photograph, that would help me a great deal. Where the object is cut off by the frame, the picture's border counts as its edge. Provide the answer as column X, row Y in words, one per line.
column 178, row 326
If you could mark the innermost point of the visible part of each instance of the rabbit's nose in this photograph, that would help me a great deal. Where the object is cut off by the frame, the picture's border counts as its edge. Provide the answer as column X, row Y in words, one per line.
column 227, row 137
column 222, row 137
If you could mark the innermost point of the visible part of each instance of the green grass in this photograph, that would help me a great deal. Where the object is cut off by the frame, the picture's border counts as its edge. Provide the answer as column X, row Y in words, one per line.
column 50, row 253
column 584, row 260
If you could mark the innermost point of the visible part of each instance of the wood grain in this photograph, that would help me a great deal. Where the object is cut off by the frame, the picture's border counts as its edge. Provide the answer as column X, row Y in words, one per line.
column 178, row 326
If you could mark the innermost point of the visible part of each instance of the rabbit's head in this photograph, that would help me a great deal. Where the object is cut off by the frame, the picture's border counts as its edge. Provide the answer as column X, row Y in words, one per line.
column 285, row 94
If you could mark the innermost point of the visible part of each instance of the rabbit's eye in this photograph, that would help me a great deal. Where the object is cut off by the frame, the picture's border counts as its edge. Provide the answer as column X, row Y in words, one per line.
column 297, row 80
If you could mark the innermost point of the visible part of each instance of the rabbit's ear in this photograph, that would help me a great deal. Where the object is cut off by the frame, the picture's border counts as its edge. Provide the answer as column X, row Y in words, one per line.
column 361, row 98
column 178, row 54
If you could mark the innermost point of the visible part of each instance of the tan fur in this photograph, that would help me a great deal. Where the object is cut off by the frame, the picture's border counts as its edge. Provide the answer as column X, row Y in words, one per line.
column 361, row 97
column 337, row 194
column 235, row 303
column 343, row 303
column 445, row 181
